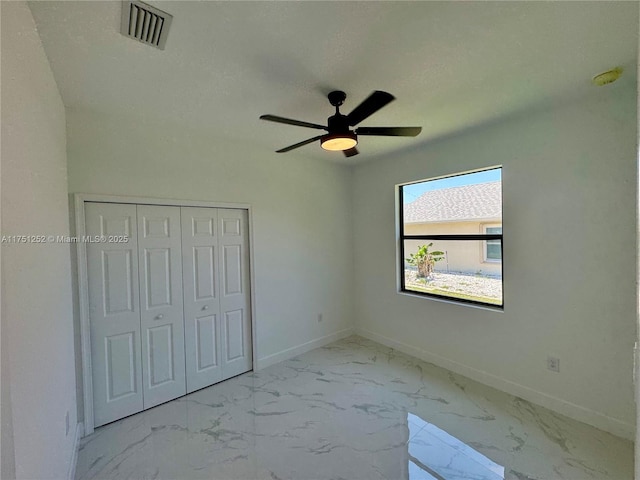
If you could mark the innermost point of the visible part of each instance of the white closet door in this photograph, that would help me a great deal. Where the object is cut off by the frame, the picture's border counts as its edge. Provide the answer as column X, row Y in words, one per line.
column 162, row 323
column 235, row 311
column 201, row 296
column 113, row 312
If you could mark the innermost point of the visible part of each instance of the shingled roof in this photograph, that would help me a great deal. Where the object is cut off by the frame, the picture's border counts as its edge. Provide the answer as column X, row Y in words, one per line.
column 470, row 202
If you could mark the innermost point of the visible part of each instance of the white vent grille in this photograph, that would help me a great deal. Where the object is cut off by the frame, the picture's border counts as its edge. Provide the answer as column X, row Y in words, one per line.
column 145, row 23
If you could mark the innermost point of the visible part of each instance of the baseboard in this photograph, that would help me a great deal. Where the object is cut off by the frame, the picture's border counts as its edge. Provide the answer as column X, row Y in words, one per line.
column 582, row 414
column 278, row 357
column 73, row 461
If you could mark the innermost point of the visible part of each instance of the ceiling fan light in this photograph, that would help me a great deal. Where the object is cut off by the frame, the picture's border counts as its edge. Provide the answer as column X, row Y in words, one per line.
column 339, row 141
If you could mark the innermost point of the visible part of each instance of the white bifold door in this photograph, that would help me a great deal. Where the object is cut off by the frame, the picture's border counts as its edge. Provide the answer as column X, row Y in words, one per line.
column 114, row 312
column 169, row 310
column 215, row 263
column 161, row 316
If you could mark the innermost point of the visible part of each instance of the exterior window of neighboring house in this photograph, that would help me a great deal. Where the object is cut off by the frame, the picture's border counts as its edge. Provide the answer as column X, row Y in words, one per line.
column 451, row 237
column 493, row 248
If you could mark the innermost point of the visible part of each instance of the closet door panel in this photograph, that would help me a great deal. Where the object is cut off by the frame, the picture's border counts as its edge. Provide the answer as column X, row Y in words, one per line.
column 169, row 309
column 234, row 299
column 114, row 315
column 200, row 264
column 162, row 323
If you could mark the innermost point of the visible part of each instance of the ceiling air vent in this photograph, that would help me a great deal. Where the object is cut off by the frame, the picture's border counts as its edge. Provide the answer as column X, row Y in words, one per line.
column 145, row 23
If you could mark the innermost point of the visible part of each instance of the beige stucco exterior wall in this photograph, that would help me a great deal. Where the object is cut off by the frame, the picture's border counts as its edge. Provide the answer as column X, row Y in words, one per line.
column 461, row 256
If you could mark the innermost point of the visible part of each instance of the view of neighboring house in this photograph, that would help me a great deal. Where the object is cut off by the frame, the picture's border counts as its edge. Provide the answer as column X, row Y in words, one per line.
column 469, row 209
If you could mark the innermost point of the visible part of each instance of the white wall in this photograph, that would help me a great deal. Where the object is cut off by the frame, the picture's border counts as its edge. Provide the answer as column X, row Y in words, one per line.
column 37, row 320
column 301, row 213
column 637, row 358
column 569, row 195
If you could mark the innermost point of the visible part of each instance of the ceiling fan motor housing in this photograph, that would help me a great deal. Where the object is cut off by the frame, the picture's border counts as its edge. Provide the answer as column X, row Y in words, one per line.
column 338, row 123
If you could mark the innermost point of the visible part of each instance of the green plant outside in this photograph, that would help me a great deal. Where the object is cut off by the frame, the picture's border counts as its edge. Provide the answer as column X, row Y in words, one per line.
column 425, row 260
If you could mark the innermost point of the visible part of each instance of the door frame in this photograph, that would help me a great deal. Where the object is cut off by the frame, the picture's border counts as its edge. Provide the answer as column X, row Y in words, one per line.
column 79, row 200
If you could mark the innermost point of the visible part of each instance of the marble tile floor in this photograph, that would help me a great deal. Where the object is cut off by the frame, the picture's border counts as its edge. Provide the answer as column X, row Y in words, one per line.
column 352, row 410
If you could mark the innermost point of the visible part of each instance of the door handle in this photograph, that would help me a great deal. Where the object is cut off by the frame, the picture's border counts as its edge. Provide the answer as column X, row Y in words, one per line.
column 206, row 307
column 159, row 317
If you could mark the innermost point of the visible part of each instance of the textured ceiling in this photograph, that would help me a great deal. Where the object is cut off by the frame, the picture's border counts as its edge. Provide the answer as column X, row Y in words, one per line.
column 450, row 65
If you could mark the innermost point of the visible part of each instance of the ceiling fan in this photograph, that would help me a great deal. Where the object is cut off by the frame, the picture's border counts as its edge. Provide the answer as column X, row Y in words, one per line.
column 340, row 137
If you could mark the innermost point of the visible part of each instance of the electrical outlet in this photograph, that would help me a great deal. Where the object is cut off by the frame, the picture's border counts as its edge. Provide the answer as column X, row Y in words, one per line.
column 66, row 423
column 553, row 364
column 320, row 317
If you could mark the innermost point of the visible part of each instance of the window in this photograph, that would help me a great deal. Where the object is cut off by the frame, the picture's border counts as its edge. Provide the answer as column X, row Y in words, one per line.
column 493, row 248
column 451, row 237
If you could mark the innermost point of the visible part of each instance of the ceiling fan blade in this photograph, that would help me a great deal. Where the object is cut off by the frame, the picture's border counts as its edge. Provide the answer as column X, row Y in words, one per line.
column 369, row 106
column 350, row 152
column 291, row 147
column 389, row 131
column 290, row 121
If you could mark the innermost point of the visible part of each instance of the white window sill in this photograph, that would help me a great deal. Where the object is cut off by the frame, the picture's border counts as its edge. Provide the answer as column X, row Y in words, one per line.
column 453, row 302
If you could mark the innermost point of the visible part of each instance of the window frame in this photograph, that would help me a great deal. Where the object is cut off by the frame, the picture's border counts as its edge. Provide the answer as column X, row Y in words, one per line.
column 455, row 237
